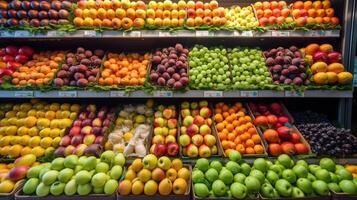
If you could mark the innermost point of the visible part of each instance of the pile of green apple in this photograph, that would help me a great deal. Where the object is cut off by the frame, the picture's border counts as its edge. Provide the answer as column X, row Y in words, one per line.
column 285, row 178
column 248, row 67
column 209, row 67
column 76, row 175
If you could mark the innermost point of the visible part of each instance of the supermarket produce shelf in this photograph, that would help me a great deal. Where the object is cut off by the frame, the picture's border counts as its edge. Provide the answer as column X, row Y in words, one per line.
column 168, row 34
column 178, row 94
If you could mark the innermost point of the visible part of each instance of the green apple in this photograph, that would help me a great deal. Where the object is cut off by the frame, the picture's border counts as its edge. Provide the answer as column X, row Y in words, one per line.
column 339, row 167
column 226, row 176
column 334, row 178
column 258, row 174
column 334, row 187
column 107, row 157
column 314, row 168
column 269, row 163
column 65, row 175
column 57, row 164
column 323, row 175
column 49, row 177
column 116, row 172
column 34, row 172
column 99, row 180
column 245, row 168
column 83, row 177
column 344, row 174
column 82, row 160
column 30, row 186
column 235, row 156
column 286, row 161
column 296, row 192
column 42, row 190
column 283, row 187
column 252, row 184
column 201, row 190
column 277, row 168
column 57, row 188
column 267, row 190
column 303, row 163
column 216, row 165
column 348, row 186
column 239, row 178
column 238, row 190
column 98, row 190
column 43, row 172
column 119, row 159
column 211, row 175
column 320, row 187
column 202, row 164
column 71, row 161
column 103, row 167
column 272, row 177
column 150, row 161
column 300, row 171
column 110, row 186
column 84, row 189
column 198, row 176
column 260, row 164
column 311, row 177
column 328, row 164
column 305, row 185
column 233, row 167
column 70, row 188
column 89, row 164
column 289, row 175
column 219, row 188
column 275, row 193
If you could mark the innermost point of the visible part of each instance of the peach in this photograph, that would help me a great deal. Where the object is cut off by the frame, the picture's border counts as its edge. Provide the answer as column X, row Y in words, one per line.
column 289, row 20
column 102, row 13
column 190, row 22
column 150, row 21
column 182, row 14
column 268, row 13
column 93, row 13
column 215, row 13
column 303, row 13
column 85, row 13
column 107, row 23
column 181, row 22
column 274, row 5
column 191, row 13
column 335, row 21
column 276, row 12
column 317, row 4
column 263, row 21
column 282, row 4
column 78, row 12
column 166, row 14
column 116, row 4
column 207, row 20
column 97, row 22
column 130, row 13
column 139, row 22
column 107, row 4
column 200, row 12
column 160, row 5
column 321, row 12
column 222, row 12
column 82, row 4
column 88, row 21
column 296, row 13
column 126, row 23
column 116, row 23
column 326, row 20
column 174, row 22
column 120, row 13
column 307, row 5
column 310, row 20
column 167, row 5
column 258, row 5
column 330, row 12
column 158, row 22
column 318, row 20
column 153, row 5
column 199, row 5
column 140, row 5
column 140, row 13
column 174, row 14
column 90, row 4
column 133, row 5
column 208, row 13
column 174, row 6
column 312, row 12
column 159, row 13
column 191, row 4
column 266, row 5
column 216, row 21
column 78, row 21
column 198, row 21
column 125, row 4
column 301, row 21
column 298, row 5
column 213, row 4
column 280, row 20
column 150, row 13
column 326, row 4
column 272, row 20
column 206, row 6
column 285, row 12
column 223, row 20
column 166, row 22
column 260, row 13
column 110, row 14
column 181, row 5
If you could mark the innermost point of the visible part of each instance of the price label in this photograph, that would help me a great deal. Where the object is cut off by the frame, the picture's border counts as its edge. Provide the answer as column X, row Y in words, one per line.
column 202, row 33
column 247, row 34
column 118, row 94
column 23, row 94
column 90, row 33
column 51, row 33
column 67, row 93
column 249, row 93
column 22, row 33
column 163, row 94
column 280, row 33
column 294, row 94
column 133, row 34
column 164, row 34
column 315, row 33
column 212, row 93
column 7, row 34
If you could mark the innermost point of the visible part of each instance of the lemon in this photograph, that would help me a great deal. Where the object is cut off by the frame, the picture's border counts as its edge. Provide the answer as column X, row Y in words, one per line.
column 73, row 116
column 30, row 121
column 46, row 142
column 128, row 136
column 11, row 113
column 43, row 123
column 75, row 108
column 15, row 151
column 25, row 107
column 12, row 121
column 15, row 139
column 5, row 150
column 23, row 130
column 40, row 114
column 55, row 132
column 119, row 121
column 45, row 132
column 6, row 186
column 11, row 130
column 20, row 122
column 54, row 123
column 49, row 151
column 65, row 114
column 50, row 115
column 40, row 106
column 65, row 123
column 3, row 130
column 26, row 150
column 63, row 132
column 55, row 106
column 4, row 122
column 33, row 131
column 4, row 141
column 65, row 106
column 56, row 141
column 38, row 151
column 16, row 107
column 21, row 114
column 24, row 140
column 32, row 112
column 34, row 141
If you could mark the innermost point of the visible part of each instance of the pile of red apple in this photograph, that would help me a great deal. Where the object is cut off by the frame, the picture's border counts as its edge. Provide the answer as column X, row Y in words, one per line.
column 12, row 57
column 86, row 135
column 278, row 131
column 196, row 138
column 165, row 132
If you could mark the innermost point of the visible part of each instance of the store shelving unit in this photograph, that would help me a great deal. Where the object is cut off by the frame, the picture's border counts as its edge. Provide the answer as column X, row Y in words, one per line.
column 149, row 40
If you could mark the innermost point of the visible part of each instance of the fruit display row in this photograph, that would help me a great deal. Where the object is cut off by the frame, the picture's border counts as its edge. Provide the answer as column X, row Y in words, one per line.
column 126, row 14
column 285, row 178
column 178, row 68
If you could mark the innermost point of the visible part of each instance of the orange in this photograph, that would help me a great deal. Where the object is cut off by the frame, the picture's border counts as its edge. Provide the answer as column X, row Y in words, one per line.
column 249, row 150
column 252, row 131
column 231, row 111
column 230, row 127
column 222, row 136
column 241, row 114
column 220, row 126
column 225, row 108
column 259, row 149
column 218, row 110
column 231, row 137
column 229, row 119
column 240, row 148
column 244, row 137
column 237, row 140
column 225, row 114
column 249, row 143
column 218, row 118
column 232, row 145
column 235, row 123
column 225, row 144
column 256, row 139
column 247, row 118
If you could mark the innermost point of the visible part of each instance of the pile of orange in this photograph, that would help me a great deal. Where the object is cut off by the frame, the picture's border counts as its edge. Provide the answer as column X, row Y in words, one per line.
column 236, row 130
column 124, row 69
column 40, row 70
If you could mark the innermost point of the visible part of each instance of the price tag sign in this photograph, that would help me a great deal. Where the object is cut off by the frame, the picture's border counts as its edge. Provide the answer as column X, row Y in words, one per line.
column 90, row 33
column 163, row 94
column 294, row 94
column 23, row 94
column 202, row 33
column 22, row 33
column 249, row 93
column 280, row 33
column 314, row 33
column 7, row 34
column 213, row 93
column 247, row 34
column 51, row 33
column 164, row 34
column 118, row 94
column 133, row 34
column 67, row 93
